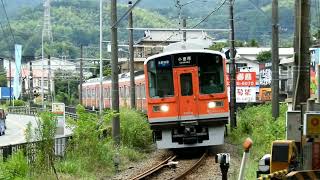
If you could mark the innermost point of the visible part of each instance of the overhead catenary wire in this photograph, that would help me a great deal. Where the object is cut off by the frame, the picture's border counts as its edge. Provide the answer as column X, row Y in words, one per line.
column 5, row 12
column 213, row 11
column 6, row 39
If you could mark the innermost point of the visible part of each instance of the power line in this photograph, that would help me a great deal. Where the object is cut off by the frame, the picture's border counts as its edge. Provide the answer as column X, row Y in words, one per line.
column 8, row 44
column 5, row 12
column 216, row 9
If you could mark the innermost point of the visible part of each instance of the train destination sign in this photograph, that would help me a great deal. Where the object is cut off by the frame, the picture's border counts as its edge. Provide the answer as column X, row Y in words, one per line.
column 184, row 60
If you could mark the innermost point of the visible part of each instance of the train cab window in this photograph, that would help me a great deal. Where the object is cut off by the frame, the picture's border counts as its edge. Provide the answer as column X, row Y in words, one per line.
column 186, row 84
column 160, row 77
column 211, row 75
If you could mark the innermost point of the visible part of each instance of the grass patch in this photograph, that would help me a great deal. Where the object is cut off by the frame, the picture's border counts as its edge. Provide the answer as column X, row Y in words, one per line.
column 92, row 154
column 15, row 168
column 258, row 124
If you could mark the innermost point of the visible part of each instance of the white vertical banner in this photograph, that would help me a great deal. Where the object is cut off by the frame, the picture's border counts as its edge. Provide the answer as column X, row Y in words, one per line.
column 16, row 79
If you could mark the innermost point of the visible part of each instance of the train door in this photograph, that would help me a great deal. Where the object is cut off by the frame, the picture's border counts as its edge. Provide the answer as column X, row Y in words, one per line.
column 187, row 92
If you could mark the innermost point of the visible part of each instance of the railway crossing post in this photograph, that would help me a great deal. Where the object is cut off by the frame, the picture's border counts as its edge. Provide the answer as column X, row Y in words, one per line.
column 246, row 146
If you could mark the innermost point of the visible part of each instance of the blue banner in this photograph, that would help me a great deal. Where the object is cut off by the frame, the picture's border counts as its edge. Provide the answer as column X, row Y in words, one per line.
column 17, row 75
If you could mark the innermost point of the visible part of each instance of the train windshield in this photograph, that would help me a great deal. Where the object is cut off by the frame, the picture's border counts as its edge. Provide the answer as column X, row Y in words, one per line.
column 160, row 77
column 211, row 76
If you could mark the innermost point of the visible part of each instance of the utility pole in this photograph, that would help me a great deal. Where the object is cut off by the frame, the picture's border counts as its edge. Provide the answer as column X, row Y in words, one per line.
column 131, row 54
column 49, row 79
column 101, row 68
column 114, row 72
column 302, row 92
column 10, row 83
column 233, row 116
column 296, row 45
column 30, row 83
column 275, row 59
column 42, row 73
column 81, row 73
column 184, row 25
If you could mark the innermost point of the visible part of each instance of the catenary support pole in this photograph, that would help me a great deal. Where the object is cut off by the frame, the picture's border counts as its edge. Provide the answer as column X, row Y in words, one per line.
column 296, row 46
column 49, row 97
column 303, row 76
column 101, row 68
column 233, row 116
column 275, row 59
column 81, row 74
column 184, row 24
column 131, row 54
column 114, row 73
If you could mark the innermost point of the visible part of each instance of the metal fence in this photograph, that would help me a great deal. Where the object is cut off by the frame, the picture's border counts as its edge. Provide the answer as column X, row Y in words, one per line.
column 25, row 110
column 30, row 149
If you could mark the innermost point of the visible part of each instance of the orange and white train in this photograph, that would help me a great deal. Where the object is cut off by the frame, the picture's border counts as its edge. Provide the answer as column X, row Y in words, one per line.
column 184, row 93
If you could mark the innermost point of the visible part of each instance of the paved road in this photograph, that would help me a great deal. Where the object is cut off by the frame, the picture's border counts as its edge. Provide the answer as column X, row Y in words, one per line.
column 16, row 126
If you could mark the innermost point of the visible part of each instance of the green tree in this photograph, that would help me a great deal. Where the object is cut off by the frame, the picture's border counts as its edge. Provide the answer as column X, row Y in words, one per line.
column 218, row 46
column 253, row 43
column 264, row 56
column 66, row 87
column 3, row 78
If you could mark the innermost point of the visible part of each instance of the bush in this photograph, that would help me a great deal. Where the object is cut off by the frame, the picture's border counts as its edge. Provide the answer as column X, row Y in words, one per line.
column 91, row 152
column 135, row 130
column 16, row 103
column 257, row 123
column 87, row 143
column 15, row 168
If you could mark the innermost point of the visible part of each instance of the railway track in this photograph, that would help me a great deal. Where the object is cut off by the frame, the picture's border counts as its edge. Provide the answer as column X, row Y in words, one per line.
column 167, row 162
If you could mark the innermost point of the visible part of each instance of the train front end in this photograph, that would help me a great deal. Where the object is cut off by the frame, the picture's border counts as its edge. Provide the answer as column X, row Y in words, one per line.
column 187, row 99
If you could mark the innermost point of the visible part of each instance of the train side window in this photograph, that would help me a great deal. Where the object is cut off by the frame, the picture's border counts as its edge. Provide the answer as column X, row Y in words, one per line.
column 137, row 91
column 186, row 84
column 105, row 93
column 128, row 92
column 143, row 91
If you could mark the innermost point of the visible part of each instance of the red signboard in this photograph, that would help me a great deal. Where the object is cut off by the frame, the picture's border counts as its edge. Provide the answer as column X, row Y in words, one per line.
column 244, row 79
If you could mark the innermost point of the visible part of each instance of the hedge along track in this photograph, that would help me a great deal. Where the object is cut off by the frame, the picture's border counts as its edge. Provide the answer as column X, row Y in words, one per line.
column 167, row 162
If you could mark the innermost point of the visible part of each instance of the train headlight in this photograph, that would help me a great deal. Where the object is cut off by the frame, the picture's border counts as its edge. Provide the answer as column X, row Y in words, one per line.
column 214, row 104
column 164, row 108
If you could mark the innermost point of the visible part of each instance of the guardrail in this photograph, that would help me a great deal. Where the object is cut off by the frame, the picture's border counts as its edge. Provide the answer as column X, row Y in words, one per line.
column 30, row 149
column 25, row 110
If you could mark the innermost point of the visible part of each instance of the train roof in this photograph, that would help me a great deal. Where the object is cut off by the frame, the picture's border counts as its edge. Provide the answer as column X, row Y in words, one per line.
column 183, row 51
column 122, row 77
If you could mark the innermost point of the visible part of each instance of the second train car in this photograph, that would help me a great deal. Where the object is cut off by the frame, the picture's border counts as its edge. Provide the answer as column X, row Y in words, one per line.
column 184, row 94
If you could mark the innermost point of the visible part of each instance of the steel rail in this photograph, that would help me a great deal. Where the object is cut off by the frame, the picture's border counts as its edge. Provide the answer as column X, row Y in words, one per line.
column 154, row 168
column 194, row 166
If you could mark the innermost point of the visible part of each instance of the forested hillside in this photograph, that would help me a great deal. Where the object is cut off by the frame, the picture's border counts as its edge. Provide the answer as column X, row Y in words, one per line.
column 76, row 22
column 73, row 23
